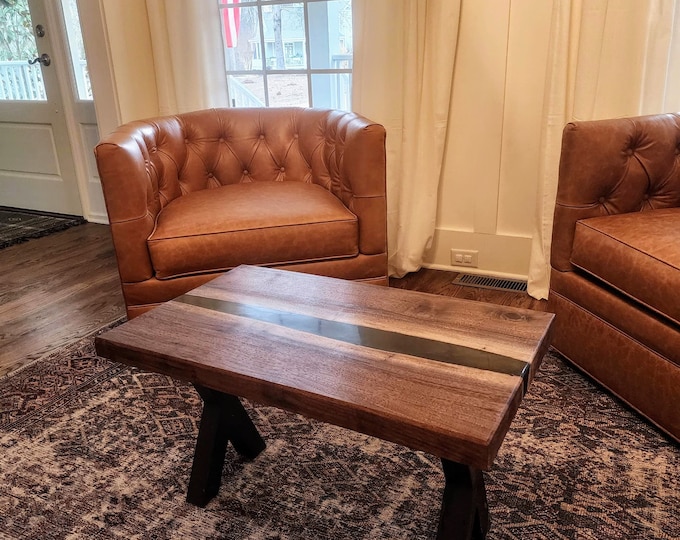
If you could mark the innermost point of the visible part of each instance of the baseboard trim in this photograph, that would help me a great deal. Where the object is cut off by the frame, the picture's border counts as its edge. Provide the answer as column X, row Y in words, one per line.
column 96, row 217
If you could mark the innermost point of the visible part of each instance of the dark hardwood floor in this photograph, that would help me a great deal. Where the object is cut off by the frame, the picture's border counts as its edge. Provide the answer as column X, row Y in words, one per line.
column 440, row 282
column 57, row 289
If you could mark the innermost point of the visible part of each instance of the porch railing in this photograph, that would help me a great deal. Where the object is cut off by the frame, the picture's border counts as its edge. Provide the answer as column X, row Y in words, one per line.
column 20, row 81
column 342, row 89
column 241, row 96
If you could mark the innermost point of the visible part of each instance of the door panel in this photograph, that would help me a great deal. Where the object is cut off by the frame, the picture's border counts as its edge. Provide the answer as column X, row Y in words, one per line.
column 15, row 138
column 37, row 168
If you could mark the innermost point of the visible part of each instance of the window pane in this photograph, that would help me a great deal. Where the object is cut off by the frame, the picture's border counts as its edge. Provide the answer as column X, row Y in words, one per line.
column 284, row 36
column 332, row 90
column 246, row 90
column 241, row 30
column 18, row 79
column 76, row 48
column 288, row 91
column 330, row 34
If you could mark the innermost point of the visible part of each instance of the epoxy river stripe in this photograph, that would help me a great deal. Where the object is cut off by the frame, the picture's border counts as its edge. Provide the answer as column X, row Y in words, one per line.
column 373, row 338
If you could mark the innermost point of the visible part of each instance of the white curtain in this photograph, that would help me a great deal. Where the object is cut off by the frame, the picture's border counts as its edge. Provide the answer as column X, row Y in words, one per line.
column 188, row 54
column 402, row 78
column 607, row 59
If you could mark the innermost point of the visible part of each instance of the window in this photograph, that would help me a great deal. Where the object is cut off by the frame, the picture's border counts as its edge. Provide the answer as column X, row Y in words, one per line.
column 282, row 53
column 76, row 49
column 18, row 80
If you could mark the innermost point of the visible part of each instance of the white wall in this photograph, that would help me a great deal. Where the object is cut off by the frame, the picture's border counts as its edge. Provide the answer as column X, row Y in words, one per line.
column 120, row 60
column 488, row 192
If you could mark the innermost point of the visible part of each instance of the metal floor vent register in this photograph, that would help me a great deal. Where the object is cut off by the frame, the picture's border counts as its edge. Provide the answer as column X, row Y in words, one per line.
column 485, row 282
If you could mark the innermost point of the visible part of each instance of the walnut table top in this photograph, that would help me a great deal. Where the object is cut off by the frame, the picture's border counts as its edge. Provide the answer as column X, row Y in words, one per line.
column 433, row 373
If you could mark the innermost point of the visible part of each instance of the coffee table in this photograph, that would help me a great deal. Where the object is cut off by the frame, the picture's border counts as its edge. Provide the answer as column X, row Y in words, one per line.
column 436, row 374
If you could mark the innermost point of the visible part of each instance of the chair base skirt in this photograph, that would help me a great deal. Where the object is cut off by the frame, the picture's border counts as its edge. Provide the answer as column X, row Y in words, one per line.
column 145, row 295
column 645, row 380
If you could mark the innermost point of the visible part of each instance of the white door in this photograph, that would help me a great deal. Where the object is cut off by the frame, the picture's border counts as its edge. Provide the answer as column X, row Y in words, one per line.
column 40, row 111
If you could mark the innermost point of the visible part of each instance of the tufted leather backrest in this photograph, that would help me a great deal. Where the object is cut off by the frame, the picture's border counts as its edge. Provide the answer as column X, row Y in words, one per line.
column 613, row 167
column 209, row 148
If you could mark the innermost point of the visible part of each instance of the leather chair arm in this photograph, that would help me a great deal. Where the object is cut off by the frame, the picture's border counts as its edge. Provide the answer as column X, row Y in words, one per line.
column 132, row 201
column 364, row 179
column 612, row 167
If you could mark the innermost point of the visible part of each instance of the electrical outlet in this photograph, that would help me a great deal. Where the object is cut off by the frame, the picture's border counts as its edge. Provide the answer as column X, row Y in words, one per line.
column 465, row 257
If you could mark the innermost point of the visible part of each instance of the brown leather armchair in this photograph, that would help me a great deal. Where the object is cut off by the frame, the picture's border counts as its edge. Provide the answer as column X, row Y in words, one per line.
column 615, row 282
column 193, row 195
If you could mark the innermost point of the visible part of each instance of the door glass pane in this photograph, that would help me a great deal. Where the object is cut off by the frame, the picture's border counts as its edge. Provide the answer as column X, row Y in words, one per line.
column 76, row 49
column 18, row 79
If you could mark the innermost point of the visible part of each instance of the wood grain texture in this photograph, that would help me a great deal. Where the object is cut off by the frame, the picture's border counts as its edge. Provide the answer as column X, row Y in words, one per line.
column 455, row 412
column 55, row 290
column 502, row 330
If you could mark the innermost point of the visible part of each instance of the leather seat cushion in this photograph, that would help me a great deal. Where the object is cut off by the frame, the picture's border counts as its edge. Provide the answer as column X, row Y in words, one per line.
column 637, row 254
column 251, row 223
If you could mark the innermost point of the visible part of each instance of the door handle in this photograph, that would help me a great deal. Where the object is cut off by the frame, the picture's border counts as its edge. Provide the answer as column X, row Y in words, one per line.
column 44, row 59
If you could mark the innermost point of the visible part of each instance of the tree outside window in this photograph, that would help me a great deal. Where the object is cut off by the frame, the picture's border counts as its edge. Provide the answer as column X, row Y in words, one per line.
column 16, row 33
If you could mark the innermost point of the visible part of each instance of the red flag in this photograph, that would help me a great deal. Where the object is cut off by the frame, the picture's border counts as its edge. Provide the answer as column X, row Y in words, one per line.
column 231, row 19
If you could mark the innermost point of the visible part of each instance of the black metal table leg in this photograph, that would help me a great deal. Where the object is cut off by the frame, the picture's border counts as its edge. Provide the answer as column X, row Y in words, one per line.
column 464, row 513
column 224, row 419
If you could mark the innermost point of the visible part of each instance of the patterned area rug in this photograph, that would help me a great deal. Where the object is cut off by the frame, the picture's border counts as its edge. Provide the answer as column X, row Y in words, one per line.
column 18, row 226
column 93, row 449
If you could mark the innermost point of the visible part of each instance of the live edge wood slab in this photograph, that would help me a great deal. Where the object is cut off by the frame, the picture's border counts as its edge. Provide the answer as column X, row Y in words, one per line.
column 432, row 373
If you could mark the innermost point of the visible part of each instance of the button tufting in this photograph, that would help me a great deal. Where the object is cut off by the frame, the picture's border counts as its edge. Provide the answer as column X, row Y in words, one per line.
column 245, row 171
column 283, row 169
column 630, row 151
column 261, row 136
column 646, row 196
column 602, row 200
